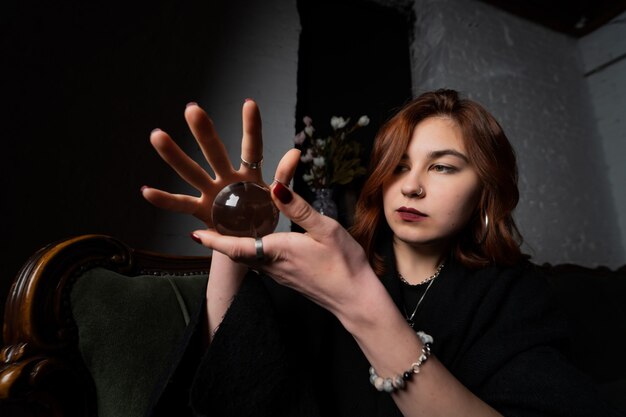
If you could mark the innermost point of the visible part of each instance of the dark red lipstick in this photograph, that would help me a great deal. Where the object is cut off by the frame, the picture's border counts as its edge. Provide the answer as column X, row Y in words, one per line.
column 410, row 214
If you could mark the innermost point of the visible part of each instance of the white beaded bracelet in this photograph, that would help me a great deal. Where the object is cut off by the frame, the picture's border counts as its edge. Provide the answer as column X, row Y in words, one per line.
column 398, row 382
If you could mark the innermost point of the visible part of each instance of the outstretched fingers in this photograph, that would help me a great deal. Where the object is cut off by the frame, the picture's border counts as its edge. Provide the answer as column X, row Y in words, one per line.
column 287, row 166
column 173, row 202
column 212, row 147
column 252, row 140
column 187, row 168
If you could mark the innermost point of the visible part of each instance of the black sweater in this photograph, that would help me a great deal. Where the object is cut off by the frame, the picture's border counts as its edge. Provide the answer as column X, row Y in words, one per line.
column 497, row 330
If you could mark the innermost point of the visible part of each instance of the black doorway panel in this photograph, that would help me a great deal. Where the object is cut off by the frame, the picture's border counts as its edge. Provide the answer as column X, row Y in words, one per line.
column 353, row 59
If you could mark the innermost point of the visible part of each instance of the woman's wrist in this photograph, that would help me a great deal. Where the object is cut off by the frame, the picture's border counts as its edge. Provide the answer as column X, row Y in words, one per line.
column 375, row 322
column 369, row 303
column 225, row 269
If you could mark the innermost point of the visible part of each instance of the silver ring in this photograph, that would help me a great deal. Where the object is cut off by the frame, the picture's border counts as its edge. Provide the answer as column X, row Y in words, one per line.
column 420, row 192
column 258, row 245
column 251, row 165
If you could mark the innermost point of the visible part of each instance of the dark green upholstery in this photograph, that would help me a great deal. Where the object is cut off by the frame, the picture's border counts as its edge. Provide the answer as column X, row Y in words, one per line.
column 129, row 326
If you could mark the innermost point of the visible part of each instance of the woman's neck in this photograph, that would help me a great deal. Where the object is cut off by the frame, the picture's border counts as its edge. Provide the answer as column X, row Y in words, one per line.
column 417, row 264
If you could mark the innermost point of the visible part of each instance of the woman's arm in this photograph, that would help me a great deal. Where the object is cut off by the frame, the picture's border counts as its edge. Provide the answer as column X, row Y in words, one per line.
column 391, row 347
column 225, row 278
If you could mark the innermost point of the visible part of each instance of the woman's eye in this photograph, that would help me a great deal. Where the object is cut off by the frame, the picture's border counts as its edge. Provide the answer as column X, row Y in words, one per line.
column 444, row 169
column 401, row 168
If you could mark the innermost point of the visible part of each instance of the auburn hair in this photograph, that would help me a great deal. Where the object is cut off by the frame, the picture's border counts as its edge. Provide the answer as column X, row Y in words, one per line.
column 478, row 244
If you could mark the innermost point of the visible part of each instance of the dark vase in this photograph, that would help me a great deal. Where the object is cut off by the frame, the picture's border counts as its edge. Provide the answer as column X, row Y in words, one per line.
column 324, row 202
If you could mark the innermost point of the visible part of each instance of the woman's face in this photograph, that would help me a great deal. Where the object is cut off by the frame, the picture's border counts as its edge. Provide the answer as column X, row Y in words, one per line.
column 435, row 161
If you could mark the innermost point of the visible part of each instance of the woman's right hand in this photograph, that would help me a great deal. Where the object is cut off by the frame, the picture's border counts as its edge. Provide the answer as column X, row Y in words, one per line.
column 215, row 153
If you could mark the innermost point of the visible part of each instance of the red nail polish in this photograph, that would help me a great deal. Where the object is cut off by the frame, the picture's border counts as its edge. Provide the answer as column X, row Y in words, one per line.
column 282, row 193
column 196, row 238
column 191, row 103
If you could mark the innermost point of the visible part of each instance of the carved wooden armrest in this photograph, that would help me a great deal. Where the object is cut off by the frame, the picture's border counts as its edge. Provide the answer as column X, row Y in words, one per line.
column 41, row 369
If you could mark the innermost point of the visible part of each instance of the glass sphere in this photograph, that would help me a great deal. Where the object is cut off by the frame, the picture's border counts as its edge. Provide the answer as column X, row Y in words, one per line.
column 244, row 209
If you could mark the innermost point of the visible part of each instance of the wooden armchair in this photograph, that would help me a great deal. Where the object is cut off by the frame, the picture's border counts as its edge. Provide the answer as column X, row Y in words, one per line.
column 52, row 366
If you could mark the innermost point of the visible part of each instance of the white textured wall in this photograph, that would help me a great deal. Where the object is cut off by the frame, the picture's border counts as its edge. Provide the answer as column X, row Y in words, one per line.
column 254, row 54
column 531, row 79
column 603, row 61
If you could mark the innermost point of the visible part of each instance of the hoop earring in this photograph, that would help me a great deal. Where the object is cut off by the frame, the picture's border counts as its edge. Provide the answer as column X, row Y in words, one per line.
column 486, row 227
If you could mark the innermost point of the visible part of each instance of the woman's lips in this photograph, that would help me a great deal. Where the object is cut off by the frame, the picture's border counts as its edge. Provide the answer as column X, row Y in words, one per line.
column 410, row 214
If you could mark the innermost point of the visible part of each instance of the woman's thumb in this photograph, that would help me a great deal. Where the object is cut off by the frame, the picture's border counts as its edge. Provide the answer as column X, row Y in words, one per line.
column 299, row 211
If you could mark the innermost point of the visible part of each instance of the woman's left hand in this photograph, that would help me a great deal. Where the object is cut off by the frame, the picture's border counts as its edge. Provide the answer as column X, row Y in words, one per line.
column 325, row 264
column 216, row 155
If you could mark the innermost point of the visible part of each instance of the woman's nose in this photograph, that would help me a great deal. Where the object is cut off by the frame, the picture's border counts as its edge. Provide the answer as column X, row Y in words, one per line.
column 412, row 187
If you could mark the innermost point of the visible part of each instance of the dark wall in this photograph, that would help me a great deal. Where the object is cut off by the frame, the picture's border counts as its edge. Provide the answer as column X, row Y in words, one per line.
column 353, row 60
column 82, row 85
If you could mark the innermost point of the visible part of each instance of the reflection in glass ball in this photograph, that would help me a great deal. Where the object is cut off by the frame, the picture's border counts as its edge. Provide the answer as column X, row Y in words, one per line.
column 244, row 209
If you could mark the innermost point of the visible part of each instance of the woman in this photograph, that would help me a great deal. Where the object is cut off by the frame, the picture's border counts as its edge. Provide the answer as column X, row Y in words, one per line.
column 434, row 254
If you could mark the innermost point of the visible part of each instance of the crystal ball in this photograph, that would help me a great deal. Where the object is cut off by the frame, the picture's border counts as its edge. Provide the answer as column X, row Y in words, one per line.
column 244, row 209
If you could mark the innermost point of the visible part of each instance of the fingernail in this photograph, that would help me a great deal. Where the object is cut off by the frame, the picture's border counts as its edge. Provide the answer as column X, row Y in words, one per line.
column 143, row 188
column 196, row 238
column 247, row 100
column 155, row 130
column 191, row 103
column 282, row 193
